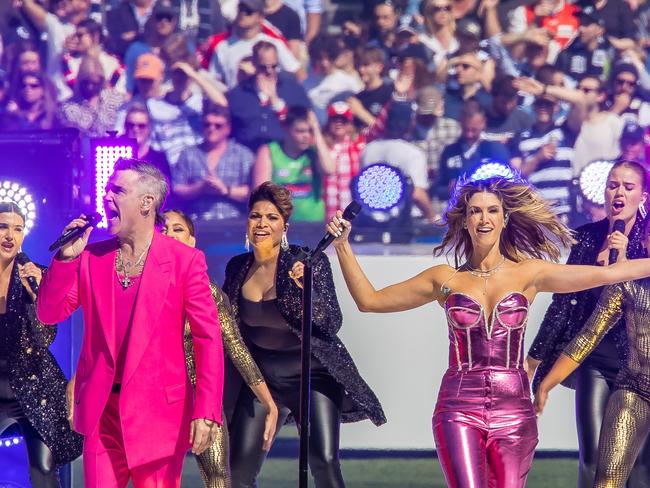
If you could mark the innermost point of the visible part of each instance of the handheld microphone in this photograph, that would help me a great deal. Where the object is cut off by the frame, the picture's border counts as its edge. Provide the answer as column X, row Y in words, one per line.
column 619, row 225
column 22, row 259
column 350, row 212
column 72, row 234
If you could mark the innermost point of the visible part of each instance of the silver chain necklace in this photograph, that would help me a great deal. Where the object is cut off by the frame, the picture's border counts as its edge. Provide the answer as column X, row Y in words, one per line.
column 119, row 264
column 485, row 274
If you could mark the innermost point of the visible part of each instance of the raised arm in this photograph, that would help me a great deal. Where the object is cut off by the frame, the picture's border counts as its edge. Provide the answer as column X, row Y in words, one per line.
column 565, row 278
column 605, row 316
column 412, row 293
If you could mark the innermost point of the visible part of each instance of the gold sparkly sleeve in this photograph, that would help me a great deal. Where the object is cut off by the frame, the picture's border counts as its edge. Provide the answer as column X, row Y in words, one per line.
column 233, row 342
column 607, row 313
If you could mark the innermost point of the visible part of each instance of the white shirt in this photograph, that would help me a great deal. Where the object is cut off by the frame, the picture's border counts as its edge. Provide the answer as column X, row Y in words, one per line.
column 407, row 157
column 336, row 86
column 597, row 140
column 57, row 32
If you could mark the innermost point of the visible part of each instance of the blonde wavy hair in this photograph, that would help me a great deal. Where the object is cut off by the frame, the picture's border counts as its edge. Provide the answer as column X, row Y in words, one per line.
column 532, row 229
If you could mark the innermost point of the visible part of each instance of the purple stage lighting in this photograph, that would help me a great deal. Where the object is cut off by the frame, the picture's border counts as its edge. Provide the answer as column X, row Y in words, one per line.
column 489, row 169
column 592, row 181
column 379, row 187
column 10, row 191
column 105, row 152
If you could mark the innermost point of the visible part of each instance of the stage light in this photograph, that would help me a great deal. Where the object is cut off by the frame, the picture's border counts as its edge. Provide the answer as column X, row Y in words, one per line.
column 592, row 181
column 11, row 191
column 490, row 169
column 385, row 195
column 105, row 151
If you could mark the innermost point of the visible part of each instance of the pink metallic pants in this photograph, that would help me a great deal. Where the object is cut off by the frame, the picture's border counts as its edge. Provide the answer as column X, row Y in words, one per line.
column 485, row 428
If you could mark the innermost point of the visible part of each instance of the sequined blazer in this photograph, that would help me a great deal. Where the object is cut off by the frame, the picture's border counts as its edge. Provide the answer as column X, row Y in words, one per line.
column 360, row 402
column 233, row 343
column 568, row 312
column 36, row 378
column 632, row 300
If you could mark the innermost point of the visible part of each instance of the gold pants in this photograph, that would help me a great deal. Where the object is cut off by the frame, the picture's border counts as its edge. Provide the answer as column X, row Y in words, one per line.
column 214, row 461
column 625, row 428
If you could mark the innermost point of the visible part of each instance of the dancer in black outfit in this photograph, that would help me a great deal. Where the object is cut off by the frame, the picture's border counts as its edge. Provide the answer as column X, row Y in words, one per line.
column 627, row 188
column 32, row 386
column 265, row 292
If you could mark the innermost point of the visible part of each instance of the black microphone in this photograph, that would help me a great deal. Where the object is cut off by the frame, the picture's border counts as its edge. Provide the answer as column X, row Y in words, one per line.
column 350, row 212
column 72, row 234
column 619, row 225
column 22, row 259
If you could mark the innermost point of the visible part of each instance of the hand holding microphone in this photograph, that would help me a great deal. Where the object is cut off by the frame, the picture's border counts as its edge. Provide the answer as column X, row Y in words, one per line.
column 75, row 237
column 30, row 274
column 339, row 227
column 617, row 242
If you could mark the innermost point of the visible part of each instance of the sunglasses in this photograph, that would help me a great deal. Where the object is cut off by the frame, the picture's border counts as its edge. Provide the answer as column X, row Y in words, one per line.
column 167, row 17
column 586, row 89
column 135, row 125
column 267, row 68
column 440, row 8
column 33, row 86
column 624, row 82
column 245, row 10
column 214, row 125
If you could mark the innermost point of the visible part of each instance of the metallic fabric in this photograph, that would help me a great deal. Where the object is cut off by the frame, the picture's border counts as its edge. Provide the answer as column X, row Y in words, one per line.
column 568, row 312
column 359, row 402
column 35, row 377
column 627, row 417
column 213, row 462
column 484, row 424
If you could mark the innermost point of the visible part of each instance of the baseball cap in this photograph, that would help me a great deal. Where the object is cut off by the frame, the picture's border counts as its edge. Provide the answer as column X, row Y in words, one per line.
column 164, row 7
column 417, row 51
column 469, row 27
column 254, row 5
column 340, row 109
column 632, row 133
column 427, row 99
column 589, row 15
column 149, row 66
column 408, row 24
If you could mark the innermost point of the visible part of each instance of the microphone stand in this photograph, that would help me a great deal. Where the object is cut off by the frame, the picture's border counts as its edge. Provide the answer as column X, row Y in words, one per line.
column 305, row 373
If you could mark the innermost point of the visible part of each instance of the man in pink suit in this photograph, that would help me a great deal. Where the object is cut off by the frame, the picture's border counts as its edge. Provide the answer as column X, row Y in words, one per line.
column 133, row 400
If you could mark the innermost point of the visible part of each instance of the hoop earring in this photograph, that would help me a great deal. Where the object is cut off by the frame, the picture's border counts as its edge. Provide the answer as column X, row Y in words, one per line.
column 247, row 244
column 284, row 243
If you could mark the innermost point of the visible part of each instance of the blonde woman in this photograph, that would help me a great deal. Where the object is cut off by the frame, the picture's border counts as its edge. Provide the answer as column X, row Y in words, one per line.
column 499, row 231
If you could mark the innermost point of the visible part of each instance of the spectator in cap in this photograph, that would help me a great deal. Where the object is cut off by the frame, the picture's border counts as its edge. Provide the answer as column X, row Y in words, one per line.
column 589, row 52
column 432, row 131
column 225, row 51
column 383, row 28
column 149, row 75
column 618, row 20
column 377, row 91
column 633, row 146
column 406, row 156
column 439, row 29
column 623, row 97
column 260, row 102
column 465, row 85
column 345, row 145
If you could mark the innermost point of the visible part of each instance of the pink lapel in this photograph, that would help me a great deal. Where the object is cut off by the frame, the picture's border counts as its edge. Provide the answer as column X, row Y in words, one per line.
column 149, row 302
column 102, row 273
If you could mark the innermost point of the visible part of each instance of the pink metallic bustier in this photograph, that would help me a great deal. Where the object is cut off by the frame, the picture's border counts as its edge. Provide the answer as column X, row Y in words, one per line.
column 477, row 341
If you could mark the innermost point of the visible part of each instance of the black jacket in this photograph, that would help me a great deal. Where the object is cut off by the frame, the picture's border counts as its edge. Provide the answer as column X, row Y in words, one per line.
column 359, row 402
column 568, row 312
column 36, row 378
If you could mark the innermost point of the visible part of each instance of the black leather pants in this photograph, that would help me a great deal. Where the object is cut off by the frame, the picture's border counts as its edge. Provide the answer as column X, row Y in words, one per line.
column 42, row 471
column 594, row 383
column 282, row 374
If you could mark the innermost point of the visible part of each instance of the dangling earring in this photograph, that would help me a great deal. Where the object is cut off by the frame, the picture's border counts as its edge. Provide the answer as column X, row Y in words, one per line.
column 284, row 243
column 643, row 210
column 247, row 244
column 505, row 220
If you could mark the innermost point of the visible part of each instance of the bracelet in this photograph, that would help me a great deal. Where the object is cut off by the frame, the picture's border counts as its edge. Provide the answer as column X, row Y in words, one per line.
column 209, row 423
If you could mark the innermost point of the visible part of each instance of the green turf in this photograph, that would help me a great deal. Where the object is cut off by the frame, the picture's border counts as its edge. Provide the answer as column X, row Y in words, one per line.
column 411, row 473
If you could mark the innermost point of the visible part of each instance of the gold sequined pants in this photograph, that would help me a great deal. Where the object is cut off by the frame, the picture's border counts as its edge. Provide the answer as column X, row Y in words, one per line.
column 625, row 428
column 213, row 462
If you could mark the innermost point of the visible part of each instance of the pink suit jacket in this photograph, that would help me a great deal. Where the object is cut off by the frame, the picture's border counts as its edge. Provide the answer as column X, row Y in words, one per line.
column 157, row 402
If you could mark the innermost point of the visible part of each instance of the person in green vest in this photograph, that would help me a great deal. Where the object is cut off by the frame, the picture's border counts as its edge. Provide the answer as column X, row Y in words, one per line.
column 299, row 163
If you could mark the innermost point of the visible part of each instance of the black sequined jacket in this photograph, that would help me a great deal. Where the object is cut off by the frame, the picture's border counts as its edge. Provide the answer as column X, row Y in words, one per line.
column 36, row 378
column 568, row 312
column 360, row 402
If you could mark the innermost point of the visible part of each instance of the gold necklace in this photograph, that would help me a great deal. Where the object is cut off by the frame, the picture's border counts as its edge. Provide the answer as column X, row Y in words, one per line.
column 485, row 274
column 119, row 264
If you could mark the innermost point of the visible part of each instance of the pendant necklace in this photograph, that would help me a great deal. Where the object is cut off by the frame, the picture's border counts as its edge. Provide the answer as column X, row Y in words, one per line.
column 485, row 274
column 126, row 281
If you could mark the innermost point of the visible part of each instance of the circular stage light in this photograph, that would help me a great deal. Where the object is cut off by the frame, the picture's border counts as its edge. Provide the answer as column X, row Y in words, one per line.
column 379, row 187
column 490, row 169
column 592, row 181
column 10, row 191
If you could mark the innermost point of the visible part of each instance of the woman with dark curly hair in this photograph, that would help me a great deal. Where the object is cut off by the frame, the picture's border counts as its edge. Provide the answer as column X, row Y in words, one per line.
column 264, row 288
column 32, row 385
column 499, row 231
